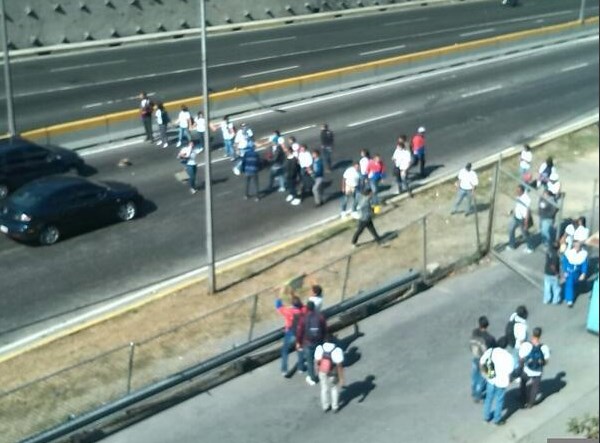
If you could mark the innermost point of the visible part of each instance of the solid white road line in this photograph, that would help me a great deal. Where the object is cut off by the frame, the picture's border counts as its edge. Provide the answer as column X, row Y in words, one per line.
column 481, row 91
column 270, row 71
column 87, row 65
column 481, row 31
column 377, row 51
column 374, row 119
column 574, row 67
column 271, row 40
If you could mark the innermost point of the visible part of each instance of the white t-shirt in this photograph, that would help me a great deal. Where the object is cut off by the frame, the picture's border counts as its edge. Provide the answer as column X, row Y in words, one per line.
column 522, row 206
column 402, row 159
column 241, row 138
column 467, row 180
column 317, row 301
column 576, row 257
column 159, row 117
column 526, row 159
column 504, row 364
column 337, row 355
column 581, row 233
column 227, row 130
column 519, row 330
column 305, row 159
column 351, row 178
column 192, row 158
column 200, row 124
column 184, row 118
column 363, row 163
column 524, row 351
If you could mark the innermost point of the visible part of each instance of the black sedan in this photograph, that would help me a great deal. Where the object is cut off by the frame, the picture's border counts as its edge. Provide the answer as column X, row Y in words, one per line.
column 22, row 161
column 49, row 208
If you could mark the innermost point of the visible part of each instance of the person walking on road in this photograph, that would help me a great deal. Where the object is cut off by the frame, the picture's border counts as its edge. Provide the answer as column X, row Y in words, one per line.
column 188, row 156
column 305, row 160
column 184, row 123
column 350, row 188
column 365, row 158
column 292, row 173
column 521, row 218
column 228, row 134
column 162, row 120
column 327, row 138
column 277, row 159
column 552, row 275
column 291, row 317
column 146, row 108
column 317, row 173
column 375, row 172
column 466, row 183
column 250, row 166
column 402, row 162
column 311, row 332
column 575, row 268
column 481, row 340
column 533, row 356
column 329, row 362
column 365, row 217
column 200, row 128
column 418, row 149
column 497, row 365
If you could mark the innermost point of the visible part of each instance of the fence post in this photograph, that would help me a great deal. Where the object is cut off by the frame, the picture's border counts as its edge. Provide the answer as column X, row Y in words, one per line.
column 253, row 316
column 489, row 238
column 424, row 228
column 476, row 214
column 130, row 369
column 346, row 275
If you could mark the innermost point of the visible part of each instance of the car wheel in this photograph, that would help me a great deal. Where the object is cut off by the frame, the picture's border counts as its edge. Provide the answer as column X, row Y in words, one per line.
column 49, row 235
column 3, row 191
column 127, row 211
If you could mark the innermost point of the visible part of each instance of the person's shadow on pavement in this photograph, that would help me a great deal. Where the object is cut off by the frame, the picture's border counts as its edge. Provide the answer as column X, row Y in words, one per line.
column 357, row 389
column 548, row 387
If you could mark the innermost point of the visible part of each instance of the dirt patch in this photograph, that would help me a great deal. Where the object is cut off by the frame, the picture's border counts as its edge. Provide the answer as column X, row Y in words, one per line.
column 189, row 326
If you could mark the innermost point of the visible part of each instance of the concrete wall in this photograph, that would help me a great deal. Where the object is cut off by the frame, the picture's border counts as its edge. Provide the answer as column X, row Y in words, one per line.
column 39, row 23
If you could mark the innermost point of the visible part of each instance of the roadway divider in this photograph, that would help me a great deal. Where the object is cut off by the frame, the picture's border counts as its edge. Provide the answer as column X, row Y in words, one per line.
column 121, row 125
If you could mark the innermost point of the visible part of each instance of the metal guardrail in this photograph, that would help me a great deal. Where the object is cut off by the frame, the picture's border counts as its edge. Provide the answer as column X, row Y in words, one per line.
column 209, row 365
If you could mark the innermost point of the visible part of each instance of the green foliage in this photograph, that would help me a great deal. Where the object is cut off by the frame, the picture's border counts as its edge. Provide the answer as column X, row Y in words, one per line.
column 586, row 426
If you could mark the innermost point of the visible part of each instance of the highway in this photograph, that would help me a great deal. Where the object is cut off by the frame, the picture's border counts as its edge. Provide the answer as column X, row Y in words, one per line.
column 470, row 112
column 58, row 88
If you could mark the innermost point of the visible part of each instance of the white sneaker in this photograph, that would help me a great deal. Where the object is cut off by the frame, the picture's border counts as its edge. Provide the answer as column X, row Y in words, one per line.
column 166, row 145
column 528, row 251
column 296, row 202
column 310, row 381
column 178, row 145
column 193, row 191
column 158, row 143
column 289, row 198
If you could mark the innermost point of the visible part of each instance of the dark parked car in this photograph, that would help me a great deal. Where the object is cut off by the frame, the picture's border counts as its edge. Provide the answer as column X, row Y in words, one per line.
column 49, row 208
column 22, row 161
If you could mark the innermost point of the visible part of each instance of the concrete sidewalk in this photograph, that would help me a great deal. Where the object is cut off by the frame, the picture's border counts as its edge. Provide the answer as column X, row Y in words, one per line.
column 407, row 379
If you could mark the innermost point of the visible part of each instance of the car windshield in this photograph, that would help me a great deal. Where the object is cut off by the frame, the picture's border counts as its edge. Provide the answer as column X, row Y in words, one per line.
column 27, row 198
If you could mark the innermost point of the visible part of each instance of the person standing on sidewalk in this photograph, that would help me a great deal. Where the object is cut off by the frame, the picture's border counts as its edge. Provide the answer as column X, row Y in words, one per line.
column 497, row 366
column 291, row 317
column 250, row 166
column 465, row 185
column 417, row 145
column 365, row 217
column 481, row 340
column 516, row 330
column 327, row 145
column 311, row 332
column 365, row 158
column 402, row 163
column 575, row 268
column 552, row 275
column 316, row 296
column 350, row 188
column 547, row 210
column 329, row 362
column 146, row 108
column 525, row 160
column 317, row 172
column 521, row 218
column 162, row 120
column 533, row 356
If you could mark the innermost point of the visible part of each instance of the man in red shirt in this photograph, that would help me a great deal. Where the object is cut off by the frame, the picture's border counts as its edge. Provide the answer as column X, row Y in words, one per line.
column 418, row 148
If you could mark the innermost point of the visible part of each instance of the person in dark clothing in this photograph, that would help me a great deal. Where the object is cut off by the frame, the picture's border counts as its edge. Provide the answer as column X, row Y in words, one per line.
column 277, row 159
column 547, row 209
column 327, row 145
column 365, row 217
column 552, row 275
column 250, row 167
column 292, row 173
column 317, row 176
column 310, row 333
column 146, row 108
column 481, row 341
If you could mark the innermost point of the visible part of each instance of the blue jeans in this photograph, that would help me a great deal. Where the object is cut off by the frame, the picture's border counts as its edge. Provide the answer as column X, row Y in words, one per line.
column 571, row 286
column 228, row 144
column 289, row 339
column 547, row 231
column 462, row 194
column 191, row 172
column 493, row 395
column 276, row 175
column 306, row 360
column 512, row 228
column 477, row 380
column 346, row 197
column 551, row 289
column 184, row 132
column 374, row 184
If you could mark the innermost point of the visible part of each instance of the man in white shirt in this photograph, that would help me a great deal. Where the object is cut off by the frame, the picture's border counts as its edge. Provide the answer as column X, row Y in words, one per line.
column 200, row 128
column 228, row 134
column 533, row 356
column 525, row 163
column 466, row 184
column 521, row 217
column 184, row 123
column 305, row 160
column 329, row 365
column 402, row 159
column 498, row 379
column 316, row 297
column 350, row 186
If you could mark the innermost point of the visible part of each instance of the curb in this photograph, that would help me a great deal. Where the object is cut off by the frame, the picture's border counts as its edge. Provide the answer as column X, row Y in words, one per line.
column 11, row 351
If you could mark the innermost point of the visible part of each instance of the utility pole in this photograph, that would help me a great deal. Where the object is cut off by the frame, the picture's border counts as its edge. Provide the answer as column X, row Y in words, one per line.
column 210, row 253
column 10, row 115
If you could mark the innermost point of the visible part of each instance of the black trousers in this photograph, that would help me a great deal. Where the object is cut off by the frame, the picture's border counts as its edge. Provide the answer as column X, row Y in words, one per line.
column 252, row 180
column 147, row 121
column 528, row 393
column 361, row 227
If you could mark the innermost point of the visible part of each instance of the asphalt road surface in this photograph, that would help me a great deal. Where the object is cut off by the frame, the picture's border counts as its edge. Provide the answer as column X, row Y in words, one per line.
column 470, row 112
column 55, row 89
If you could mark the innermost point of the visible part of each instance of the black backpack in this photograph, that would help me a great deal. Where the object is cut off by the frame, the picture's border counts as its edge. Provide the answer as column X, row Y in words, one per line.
column 535, row 359
column 313, row 332
column 509, row 333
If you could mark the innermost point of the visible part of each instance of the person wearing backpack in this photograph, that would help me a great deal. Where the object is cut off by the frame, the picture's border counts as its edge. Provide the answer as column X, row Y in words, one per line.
column 310, row 333
column 291, row 317
column 533, row 356
column 329, row 365
column 481, row 340
column 497, row 365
